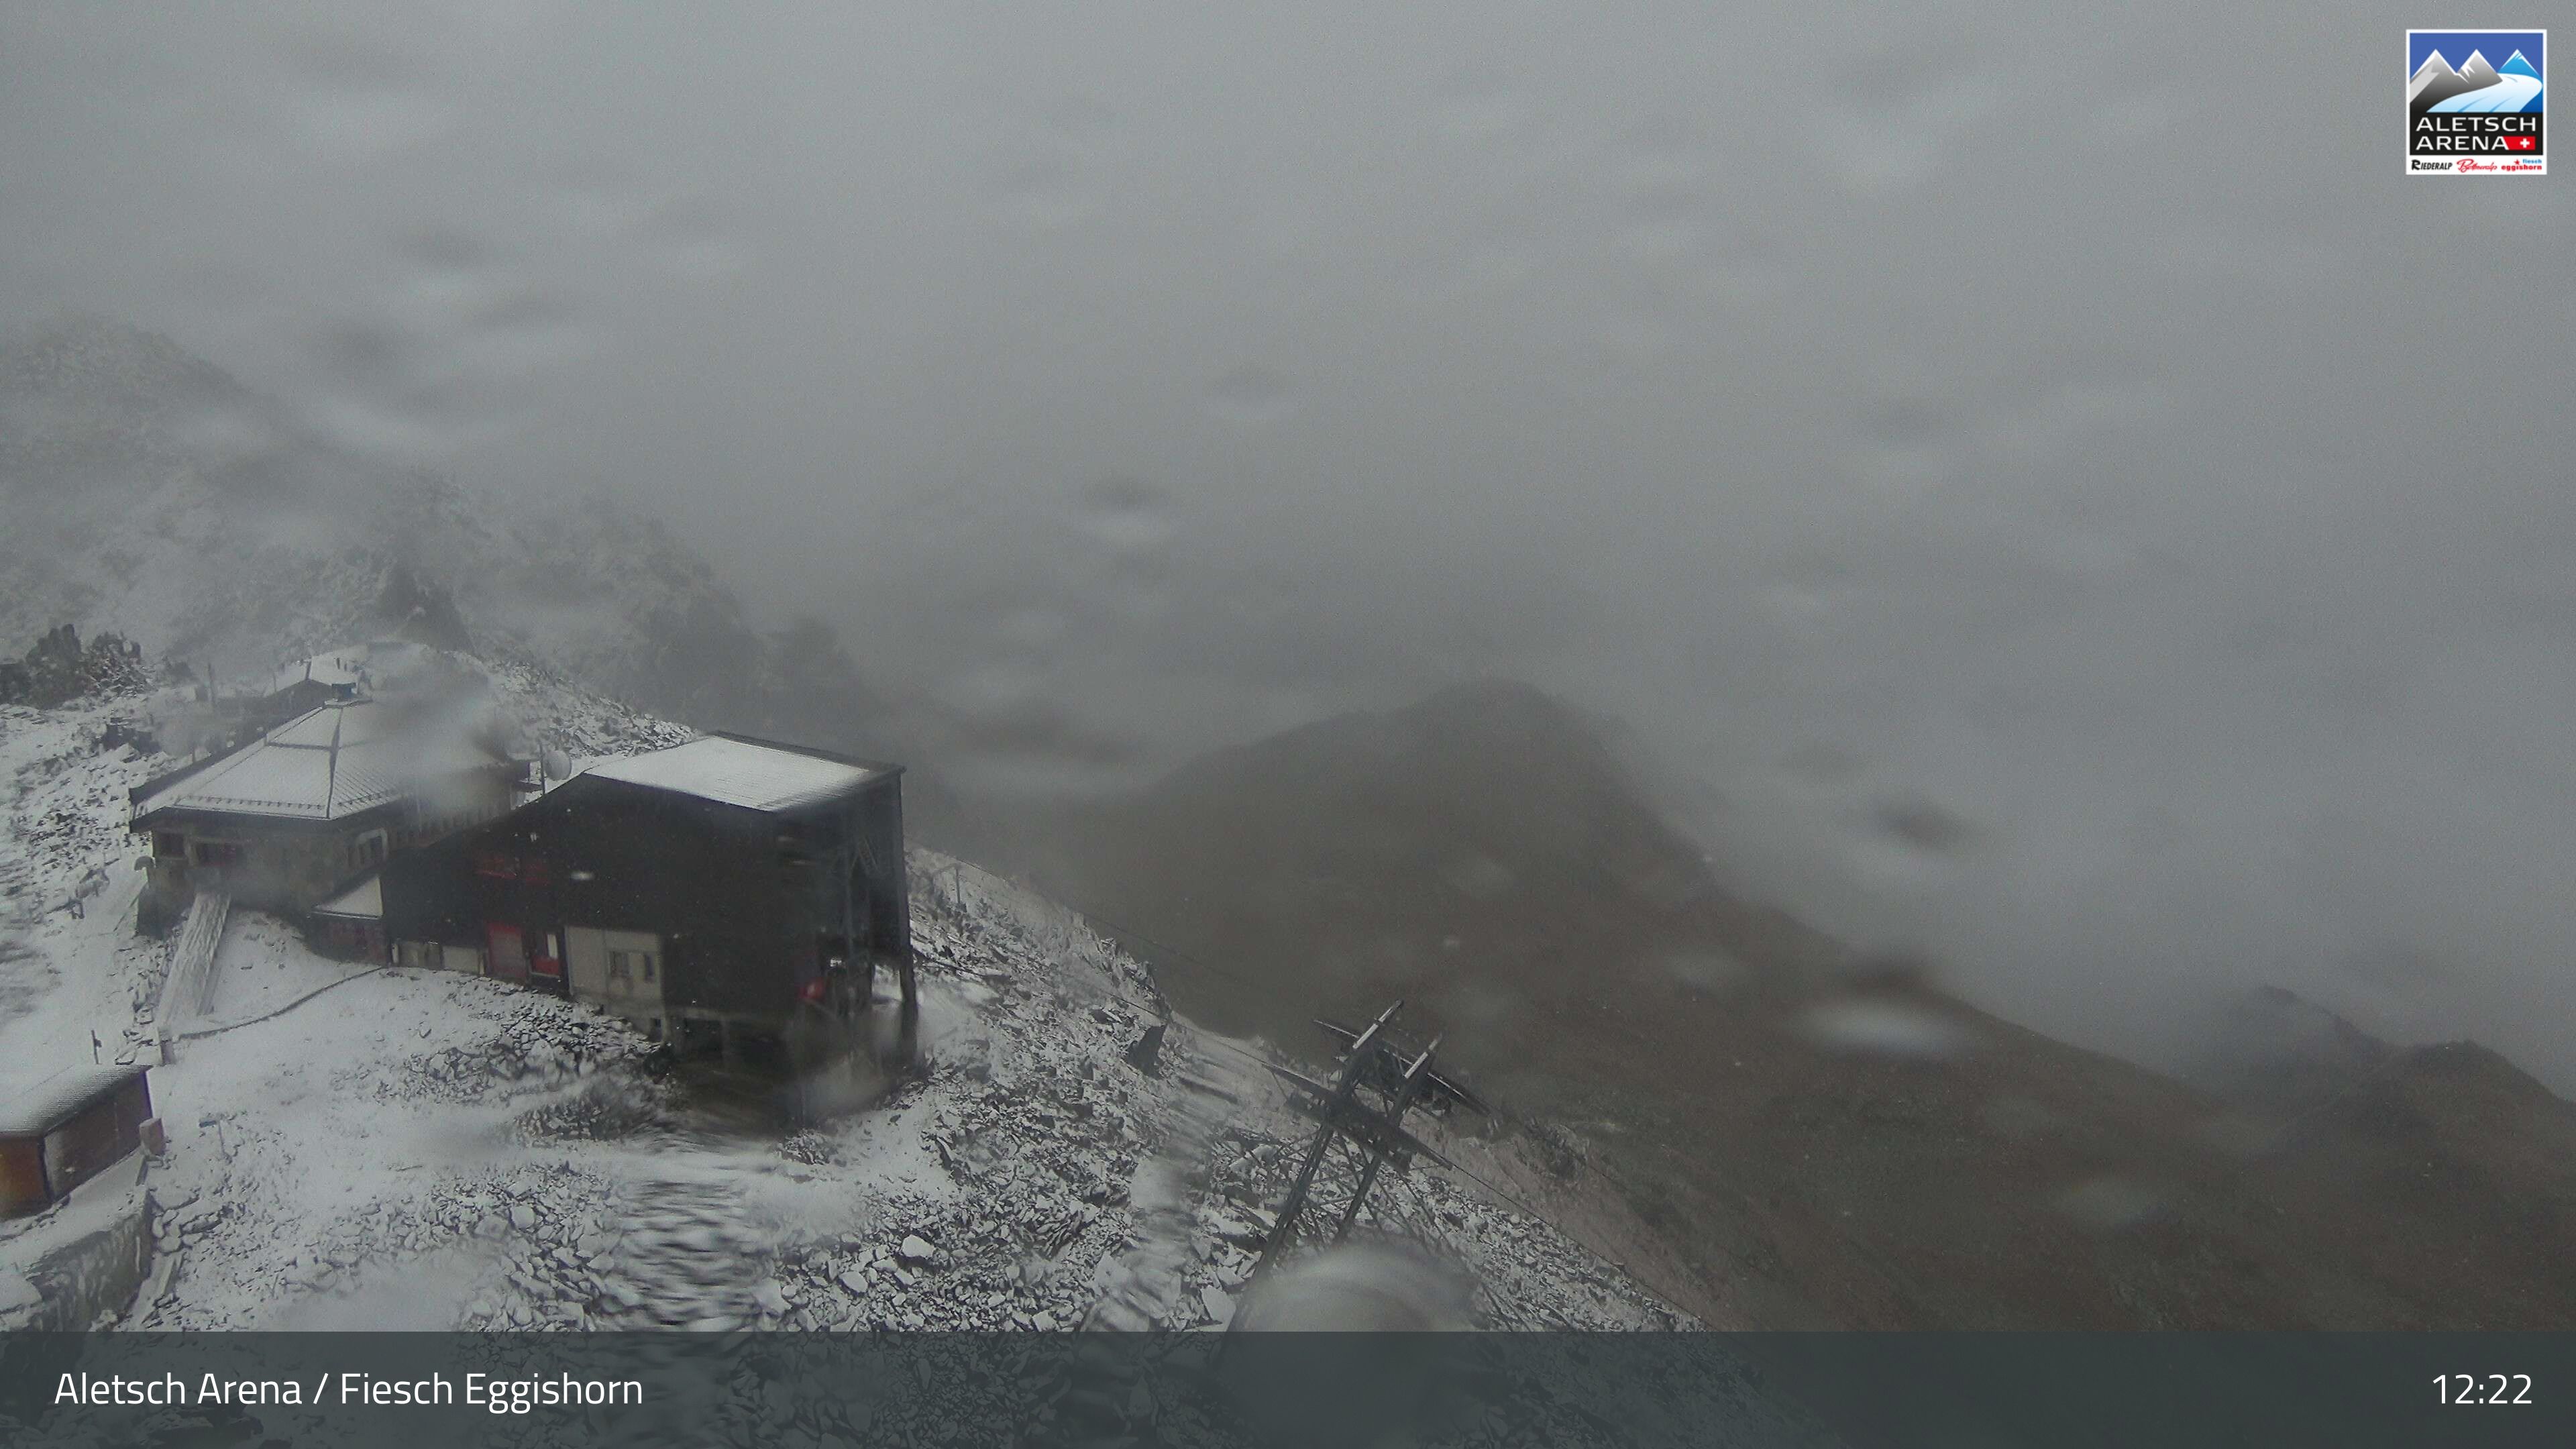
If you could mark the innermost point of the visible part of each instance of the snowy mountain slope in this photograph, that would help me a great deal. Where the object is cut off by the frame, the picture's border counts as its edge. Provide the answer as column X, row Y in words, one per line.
column 427, row 1153
column 432, row 1151
column 416, row 1149
column 148, row 493
column 70, row 965
column 573, row 722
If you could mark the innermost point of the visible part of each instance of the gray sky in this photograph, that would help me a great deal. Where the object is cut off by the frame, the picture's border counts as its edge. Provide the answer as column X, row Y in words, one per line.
column 2076, row 421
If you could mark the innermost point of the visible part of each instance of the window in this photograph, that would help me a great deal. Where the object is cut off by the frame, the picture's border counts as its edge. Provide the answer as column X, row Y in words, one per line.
column 647, row 958
column 618, row 966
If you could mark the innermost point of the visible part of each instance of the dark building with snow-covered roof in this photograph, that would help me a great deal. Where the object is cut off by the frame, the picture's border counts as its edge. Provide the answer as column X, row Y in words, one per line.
column 726, row 883
column 287, row 820
column 58, row 1133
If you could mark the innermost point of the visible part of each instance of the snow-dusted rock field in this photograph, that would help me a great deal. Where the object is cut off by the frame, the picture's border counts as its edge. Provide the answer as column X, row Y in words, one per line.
column 70, row 963
column 358, row 1146
column 419, row 1150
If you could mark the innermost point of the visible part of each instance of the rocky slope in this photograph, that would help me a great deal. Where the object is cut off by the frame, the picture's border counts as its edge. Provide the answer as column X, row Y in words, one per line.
column 1813, row 1141
column 2465, row 1158
column 1483, row 853
column 2273, row 1054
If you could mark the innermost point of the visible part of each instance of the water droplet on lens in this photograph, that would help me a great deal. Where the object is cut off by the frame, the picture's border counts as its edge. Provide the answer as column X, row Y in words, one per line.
column 1886, row 1026
column 443, row 250
column 1478, row 877
column 361, row 351
column 1378, row 1287
column 2109, row 1203
column 1252, row 394
column 1922, row 824
column 1032, row 629
column 1130, row 515
column 1711, row 973
column 1476, row 111
column 1823, row 762
column 1903, row 424
column 2019, row 1119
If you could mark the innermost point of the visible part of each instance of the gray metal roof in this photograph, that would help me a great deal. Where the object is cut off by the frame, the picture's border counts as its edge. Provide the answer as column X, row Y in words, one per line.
column 326, row 764
column 39, row 1107
column 741, row 772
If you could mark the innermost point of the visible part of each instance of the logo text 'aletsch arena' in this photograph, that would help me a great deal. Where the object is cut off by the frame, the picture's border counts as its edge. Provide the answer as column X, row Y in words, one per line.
column 2473, row 102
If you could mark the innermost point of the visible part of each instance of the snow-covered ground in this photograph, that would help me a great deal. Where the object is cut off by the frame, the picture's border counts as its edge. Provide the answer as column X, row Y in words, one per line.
column 389, row 1148
column 417, row 1149
column 69, row 970
column 261, row 969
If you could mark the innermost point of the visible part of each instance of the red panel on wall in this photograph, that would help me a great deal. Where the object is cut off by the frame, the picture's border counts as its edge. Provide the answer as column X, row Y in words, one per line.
column 22, row 1175
column 508, row 960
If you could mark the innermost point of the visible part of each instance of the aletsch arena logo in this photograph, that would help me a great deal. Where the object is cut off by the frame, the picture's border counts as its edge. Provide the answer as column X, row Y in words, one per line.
column 2473, row 102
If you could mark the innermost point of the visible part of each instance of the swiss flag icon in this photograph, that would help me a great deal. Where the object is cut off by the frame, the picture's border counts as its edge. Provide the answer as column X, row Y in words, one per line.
column 2522, row 143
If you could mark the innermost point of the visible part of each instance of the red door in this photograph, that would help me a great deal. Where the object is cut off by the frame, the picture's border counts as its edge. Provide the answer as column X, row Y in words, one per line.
column 508, row 960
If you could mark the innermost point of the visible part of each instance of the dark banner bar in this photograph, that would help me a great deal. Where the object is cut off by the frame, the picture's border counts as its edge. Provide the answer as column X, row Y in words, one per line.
column 1938, row 1391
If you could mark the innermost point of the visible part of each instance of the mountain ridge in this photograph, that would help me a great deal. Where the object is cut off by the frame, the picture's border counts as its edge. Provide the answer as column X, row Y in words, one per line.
column 1818, row 1139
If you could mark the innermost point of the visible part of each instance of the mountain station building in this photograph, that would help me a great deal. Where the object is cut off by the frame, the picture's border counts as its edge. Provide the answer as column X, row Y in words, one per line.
column 721, row 887
column 295, row 818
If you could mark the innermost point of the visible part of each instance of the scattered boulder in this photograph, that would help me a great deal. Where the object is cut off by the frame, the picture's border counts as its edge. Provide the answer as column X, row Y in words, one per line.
column 58, row 669
column 1146, row 1055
